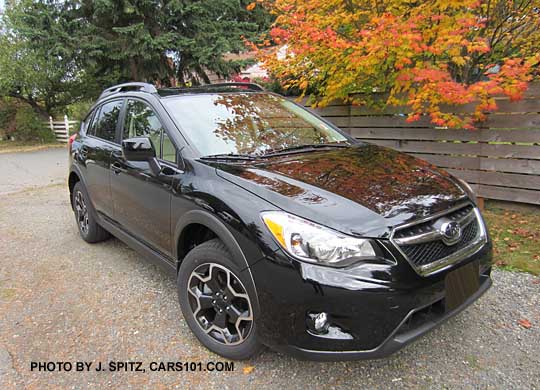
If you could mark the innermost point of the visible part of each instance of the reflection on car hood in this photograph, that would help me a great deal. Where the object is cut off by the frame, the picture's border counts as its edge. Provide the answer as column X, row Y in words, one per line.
column 361, row 190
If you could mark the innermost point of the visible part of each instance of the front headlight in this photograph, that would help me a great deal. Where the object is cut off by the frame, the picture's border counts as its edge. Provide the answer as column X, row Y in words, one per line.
column 308, row 241
column 467, row 188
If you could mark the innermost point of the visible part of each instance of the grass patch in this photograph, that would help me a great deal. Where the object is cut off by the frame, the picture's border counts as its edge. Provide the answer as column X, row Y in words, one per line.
column 516, row 239
column 473, row 362
column 7, row 293
column 16, row 146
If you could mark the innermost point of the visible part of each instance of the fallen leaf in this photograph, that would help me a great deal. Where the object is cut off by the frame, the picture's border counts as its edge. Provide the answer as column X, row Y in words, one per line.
column 522, row 232
column 525, row 323
column 536, row 281
column 248, row 369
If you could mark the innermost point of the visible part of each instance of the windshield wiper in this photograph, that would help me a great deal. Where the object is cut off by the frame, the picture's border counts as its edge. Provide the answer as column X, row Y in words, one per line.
column 306, row 148
column 229, row 156
column 274, row 152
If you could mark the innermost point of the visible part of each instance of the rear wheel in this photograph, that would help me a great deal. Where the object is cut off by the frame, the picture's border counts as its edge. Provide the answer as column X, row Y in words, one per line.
column 89, row 229
column 217, row 301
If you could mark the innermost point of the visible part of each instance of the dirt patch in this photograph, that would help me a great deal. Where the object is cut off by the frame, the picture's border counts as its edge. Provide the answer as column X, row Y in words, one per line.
column 15, row 147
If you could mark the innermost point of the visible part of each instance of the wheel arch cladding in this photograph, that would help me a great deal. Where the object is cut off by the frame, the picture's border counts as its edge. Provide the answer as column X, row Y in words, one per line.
column 73, row 179
column 194, row 221
column 75, row 176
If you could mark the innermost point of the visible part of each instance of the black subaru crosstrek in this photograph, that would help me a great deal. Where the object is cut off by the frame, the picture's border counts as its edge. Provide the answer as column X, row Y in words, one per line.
column 281, row 230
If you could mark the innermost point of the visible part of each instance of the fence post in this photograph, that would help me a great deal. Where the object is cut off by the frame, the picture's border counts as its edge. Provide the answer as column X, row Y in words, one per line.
column 66, row 125
column 51, row 125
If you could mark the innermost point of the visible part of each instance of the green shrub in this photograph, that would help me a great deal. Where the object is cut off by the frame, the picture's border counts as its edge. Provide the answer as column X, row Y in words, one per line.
column 20, row 122
column 78, row 110
column 30, row 127
column 7, row 116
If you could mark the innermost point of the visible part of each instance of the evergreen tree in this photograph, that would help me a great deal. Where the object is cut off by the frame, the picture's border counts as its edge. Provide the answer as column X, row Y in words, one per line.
column 57, row 52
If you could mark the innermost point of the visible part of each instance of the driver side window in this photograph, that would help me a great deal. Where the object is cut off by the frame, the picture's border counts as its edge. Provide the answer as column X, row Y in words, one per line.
column 141, row 121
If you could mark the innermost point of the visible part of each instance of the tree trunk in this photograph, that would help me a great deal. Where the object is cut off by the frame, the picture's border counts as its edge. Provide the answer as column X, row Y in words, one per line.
column 133, row 70
column 43, row 113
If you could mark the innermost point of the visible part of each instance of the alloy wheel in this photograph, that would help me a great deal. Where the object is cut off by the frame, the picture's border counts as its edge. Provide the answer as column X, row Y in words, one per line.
column 220, row 303
column 82, row 212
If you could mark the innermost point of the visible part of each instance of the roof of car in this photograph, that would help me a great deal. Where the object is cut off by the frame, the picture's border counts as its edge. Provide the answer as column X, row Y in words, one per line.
column 163, row 92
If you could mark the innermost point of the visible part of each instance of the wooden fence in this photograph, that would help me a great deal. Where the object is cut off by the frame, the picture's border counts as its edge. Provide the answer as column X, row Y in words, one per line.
column 501, row 159
column 61, row 128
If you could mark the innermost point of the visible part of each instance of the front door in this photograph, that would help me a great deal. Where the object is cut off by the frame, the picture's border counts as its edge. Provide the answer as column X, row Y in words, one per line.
column 142, row 198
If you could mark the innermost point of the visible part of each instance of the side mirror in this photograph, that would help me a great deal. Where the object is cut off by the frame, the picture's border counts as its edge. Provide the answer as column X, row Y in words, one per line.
column 138, row 149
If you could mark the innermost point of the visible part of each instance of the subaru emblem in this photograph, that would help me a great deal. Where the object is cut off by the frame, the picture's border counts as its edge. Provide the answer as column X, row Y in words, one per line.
column 450, row 232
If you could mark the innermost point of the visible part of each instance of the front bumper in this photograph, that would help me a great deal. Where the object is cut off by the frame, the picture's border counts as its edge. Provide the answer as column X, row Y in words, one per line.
column 379, row 308
column 399, row 338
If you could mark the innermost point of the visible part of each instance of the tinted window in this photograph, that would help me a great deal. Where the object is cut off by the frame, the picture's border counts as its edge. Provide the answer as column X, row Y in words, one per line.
column 169, row 151
column 105, row 126
column 247, row 123
column 85, row 125
column 92, row 120
column 141, row 121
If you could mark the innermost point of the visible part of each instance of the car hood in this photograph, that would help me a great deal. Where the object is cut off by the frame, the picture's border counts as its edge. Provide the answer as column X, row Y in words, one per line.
column 363, row 190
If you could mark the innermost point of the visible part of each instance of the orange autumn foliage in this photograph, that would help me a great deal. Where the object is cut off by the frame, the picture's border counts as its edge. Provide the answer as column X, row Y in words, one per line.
column 428, row 55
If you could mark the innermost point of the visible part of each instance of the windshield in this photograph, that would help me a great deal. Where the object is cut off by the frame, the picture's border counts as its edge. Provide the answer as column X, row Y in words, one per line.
column 247, row 123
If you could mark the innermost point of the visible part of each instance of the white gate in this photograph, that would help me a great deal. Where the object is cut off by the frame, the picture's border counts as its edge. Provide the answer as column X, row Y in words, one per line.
column 61, row 129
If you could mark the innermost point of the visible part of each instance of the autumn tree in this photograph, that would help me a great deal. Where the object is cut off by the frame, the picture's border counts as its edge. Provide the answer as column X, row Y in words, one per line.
column 429, row 55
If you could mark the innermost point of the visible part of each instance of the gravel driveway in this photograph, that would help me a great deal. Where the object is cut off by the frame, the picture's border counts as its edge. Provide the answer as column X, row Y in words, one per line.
column 64, row 300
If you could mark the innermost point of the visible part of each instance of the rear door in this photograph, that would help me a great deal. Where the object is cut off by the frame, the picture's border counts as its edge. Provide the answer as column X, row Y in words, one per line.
column 100, row 142
column 141, row 198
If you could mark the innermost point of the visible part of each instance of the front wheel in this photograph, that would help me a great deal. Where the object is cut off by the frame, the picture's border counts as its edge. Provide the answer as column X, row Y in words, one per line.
column 217, row 301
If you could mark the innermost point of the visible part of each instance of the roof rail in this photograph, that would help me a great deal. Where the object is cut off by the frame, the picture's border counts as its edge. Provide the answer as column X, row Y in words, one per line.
column 251, row 86
column 218, row 87
column 143, row 87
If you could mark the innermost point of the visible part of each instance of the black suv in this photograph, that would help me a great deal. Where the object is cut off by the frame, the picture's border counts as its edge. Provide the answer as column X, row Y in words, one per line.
column 281, row 229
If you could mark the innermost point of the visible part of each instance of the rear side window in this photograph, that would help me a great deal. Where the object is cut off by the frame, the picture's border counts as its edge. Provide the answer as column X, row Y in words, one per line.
column 92, row 119
column 106, row 120
column 84, row 127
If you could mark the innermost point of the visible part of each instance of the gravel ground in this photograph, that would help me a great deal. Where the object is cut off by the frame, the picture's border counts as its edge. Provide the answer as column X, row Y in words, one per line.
column 64, row 300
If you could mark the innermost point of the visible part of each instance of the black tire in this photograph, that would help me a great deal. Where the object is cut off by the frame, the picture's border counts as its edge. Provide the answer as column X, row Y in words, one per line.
column 89, row 229
column 214, row 258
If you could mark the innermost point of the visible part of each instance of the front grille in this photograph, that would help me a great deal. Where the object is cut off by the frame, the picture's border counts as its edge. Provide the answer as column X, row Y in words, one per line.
column 426, row 253
column 428, row 226
column 433, row 249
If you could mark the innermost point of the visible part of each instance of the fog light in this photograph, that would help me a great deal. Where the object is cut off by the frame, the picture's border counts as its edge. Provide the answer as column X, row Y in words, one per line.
column 318, row 322
column 321, row 322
